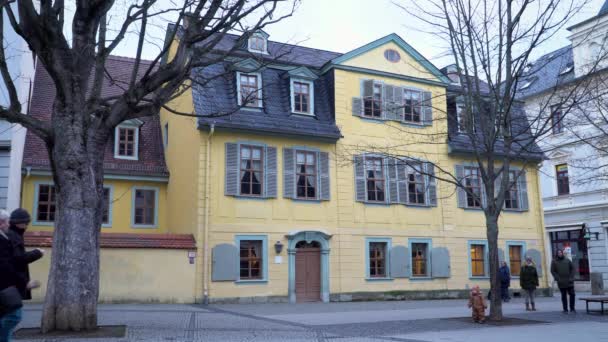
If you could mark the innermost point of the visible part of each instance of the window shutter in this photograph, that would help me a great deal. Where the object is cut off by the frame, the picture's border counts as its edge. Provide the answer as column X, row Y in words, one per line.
column 357, row 106
column 497, row 182
column 501, row 255
column 399, row 262
column 360, row 193
column 431, row 185
column 398, row 105
column 522, row 186
column 388, row 97
column 270, row 169
column 393, row 192
column 289, row 173
column 484, row 195
column 535, row 255
column 224, row 262
column 232, row 170
column 427, row 118
column 368, row 88
column 324, row 191
column 402, row 181
column 460, row 192
column 440, row 262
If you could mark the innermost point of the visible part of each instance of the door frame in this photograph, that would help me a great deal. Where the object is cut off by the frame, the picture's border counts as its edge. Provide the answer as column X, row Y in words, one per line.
column 309, row 236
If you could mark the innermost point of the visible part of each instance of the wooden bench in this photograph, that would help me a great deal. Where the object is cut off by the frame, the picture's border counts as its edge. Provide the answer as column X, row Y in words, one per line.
column 601, row 300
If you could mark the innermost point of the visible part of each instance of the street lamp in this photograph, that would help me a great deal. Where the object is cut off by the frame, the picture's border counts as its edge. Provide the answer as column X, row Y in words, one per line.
column 278, row 247
column 587, row 233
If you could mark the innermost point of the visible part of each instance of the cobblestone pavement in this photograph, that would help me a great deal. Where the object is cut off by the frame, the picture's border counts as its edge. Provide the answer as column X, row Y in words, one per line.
column 412, row 321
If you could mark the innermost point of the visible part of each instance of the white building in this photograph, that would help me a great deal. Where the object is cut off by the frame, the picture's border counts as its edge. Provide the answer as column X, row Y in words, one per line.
column 21, row 65
column 575, row 195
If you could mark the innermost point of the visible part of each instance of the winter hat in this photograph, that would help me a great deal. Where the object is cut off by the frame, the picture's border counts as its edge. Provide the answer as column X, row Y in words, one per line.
column 20, row 215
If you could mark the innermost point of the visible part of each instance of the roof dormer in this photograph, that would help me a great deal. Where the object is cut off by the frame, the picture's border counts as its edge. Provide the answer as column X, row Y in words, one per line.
column 258, row 42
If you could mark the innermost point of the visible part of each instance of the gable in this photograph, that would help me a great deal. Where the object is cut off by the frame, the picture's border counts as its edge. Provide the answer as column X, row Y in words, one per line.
column 372, row 56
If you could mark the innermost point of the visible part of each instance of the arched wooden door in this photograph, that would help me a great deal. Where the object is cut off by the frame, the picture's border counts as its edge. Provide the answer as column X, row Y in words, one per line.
column 308, row 272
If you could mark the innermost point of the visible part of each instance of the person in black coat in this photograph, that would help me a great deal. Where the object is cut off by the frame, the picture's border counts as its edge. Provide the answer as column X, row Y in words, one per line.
column 505, row 281
column 19, row 221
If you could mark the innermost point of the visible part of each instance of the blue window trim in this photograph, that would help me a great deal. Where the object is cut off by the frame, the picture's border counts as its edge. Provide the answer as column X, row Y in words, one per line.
column 35, row 221
column 238, row 88
column 264, row 239
column 311, row 88
column 523, row 253
column 263, row 146
column 429, row 249
column 485, row 259
column 110, row 205
column 387, row 265
column 317, row 152
column 156, row 208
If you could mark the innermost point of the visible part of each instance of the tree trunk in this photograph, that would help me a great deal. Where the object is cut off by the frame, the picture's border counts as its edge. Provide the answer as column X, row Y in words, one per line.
column 73, row 284
column 495, row 298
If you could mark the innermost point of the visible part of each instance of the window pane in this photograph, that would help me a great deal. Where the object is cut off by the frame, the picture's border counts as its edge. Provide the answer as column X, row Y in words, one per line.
column 250, row 259
column 515, row 260
column 419, row 259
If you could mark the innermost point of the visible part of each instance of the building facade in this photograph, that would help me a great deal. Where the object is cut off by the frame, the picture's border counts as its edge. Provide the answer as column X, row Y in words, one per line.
column 574, row 189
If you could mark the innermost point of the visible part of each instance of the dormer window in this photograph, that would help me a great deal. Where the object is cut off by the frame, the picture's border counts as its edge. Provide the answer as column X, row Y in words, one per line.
column 302, row 93
column 126, row 140
column 249, row 88
column 258, row 42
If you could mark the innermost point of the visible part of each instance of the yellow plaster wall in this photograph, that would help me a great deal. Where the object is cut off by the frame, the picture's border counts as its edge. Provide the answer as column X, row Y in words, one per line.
column 134, row 275
column 121, row 205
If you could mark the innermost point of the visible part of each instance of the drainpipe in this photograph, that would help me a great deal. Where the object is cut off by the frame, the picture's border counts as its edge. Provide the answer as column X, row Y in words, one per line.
column 206, row 221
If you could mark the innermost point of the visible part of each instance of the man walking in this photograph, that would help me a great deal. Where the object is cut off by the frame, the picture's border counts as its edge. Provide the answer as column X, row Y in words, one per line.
column 505, row 281
column 563, row 273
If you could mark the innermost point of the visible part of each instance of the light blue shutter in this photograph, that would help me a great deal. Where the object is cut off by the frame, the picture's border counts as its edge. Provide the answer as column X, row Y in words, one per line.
column 402, row 181
column 324, row 192
column 427, row 109
column 460, row 192
column 400, row 262
column 522, row 185
column 501, row 255
column 398, row 105
column 360, row 193
column 484, row 195
column 393, row 193
column 431, row 188
column 232, row 170
column 270, row 169
column 289, row 173
column 225, row 262
column 388, row 97
column 357, row 106
column 440, row 262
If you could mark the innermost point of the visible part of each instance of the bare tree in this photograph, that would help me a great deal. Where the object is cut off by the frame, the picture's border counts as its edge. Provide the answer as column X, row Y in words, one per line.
column 82, row 120
column 491, row 44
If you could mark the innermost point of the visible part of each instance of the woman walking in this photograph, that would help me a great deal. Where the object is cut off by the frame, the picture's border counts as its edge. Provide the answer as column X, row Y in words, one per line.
column 528, row 280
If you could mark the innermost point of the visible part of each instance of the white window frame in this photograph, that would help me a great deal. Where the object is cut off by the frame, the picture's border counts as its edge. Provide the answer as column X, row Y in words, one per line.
column 459, row 109
column 264, row 48
column 311, row 88
column 110, row 204
column 135, row 127
column 238, row 88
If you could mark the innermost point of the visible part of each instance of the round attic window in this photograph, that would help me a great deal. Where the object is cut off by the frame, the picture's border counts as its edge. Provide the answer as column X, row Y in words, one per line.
column 392, row 55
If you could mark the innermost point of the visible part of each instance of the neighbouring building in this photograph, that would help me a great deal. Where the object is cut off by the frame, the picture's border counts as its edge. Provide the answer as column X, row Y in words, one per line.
column 574, row 187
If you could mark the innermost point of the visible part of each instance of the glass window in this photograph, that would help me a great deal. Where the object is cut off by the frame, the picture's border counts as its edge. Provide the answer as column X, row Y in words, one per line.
column 515, row 253
column 301, row 97
column 374, row 169
column 512, row 195
column 561, row 175
column 251, row 170
column 250, row 259
column 306, row 174
column 415, row 184
column 557, row 119
column 257, row 43
column 412, row 105
column 45, row 211
column 419, row 259
column 105, row 219
column 392, row 55
column 372, row 105
column 249, row 90
column 472, row 183
column 126, row 141
column 377, row 259
column 462, row 116
column 575, row 248
column 478, row 267
column 145, row 207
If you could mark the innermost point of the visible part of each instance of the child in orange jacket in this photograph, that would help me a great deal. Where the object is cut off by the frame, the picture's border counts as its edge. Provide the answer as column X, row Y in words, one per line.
column 478, row 304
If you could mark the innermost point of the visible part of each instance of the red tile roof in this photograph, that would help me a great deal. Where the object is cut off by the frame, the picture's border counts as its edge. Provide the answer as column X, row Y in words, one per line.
column 151, row 158
column 122, row 240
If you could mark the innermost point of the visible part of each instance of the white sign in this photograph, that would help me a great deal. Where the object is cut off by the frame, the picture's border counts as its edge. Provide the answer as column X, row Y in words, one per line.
column 278, row 259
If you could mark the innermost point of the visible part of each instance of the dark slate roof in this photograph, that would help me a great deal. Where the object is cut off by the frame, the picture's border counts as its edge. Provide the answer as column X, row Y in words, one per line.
column 151, row 157
column 217, row 97
column 547, row 72
column 604, row 8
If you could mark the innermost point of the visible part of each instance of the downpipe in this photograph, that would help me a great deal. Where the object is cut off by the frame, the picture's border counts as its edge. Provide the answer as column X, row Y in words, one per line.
column 206, row 221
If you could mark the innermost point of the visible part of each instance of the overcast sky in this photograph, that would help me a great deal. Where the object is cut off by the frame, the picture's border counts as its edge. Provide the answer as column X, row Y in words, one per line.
column 343, row 25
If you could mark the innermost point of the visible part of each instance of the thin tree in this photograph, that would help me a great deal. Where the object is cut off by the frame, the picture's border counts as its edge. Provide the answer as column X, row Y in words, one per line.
column 82, row 120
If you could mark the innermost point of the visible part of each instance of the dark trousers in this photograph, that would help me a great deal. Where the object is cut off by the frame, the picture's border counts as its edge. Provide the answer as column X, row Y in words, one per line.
column 504, row 293
column 568, row 291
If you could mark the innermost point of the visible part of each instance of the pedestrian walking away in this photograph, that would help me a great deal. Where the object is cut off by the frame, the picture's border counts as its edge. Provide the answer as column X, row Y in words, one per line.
column 563, row 272
column 505, row 281
column 478, row 305
column 528, row 281
column 10, row 282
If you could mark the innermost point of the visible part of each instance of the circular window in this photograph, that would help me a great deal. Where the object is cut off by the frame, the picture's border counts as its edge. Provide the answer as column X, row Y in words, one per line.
column 392, row 55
